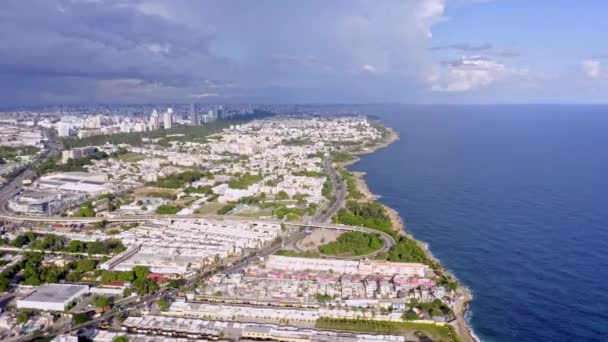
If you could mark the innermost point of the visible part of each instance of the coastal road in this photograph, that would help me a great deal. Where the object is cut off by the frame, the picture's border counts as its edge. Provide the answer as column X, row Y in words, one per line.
column 339, row 193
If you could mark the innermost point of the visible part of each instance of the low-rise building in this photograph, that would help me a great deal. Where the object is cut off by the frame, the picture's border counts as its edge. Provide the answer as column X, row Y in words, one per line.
column 52, row 297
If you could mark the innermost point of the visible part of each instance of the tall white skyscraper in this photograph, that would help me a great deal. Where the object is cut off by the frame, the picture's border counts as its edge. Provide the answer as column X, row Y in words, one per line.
column 154, row 122
column 168, row 118
column 193, row 115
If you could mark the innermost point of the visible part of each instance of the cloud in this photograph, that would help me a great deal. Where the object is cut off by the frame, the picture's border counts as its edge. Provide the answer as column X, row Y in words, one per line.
column 156, row 50
column 369, row 68
column 429, row 12
column 463, row 47
column 204, row 95
column 592, row 68
column 470, row 73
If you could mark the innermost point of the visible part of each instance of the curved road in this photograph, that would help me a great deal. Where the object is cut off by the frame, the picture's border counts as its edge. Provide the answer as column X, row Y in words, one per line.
column 389, row 241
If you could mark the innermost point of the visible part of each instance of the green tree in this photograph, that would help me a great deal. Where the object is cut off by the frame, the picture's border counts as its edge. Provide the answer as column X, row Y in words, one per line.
column 176, row 283
column 167, row 209
column 23, row 317
column 144, row 286
column 85, row 265
column 162, row 304
column 80, row 318
column 141, row 272
column 127, row 276
column 101, row 302
column 20, row 241
column 282, row 195
column 75, row 246
column 410, row 316
column 73, row 276
column 5, row 283
column 226, row 209
column 353, row 243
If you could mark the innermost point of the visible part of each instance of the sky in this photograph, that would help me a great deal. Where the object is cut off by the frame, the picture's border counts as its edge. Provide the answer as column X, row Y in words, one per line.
column 313, row 51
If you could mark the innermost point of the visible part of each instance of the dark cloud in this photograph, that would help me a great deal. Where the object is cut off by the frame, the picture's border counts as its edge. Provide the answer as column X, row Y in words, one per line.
column 99, row 40
column 159, row 50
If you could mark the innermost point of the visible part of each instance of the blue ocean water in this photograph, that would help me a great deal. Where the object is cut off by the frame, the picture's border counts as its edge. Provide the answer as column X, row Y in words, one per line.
column 513, row 200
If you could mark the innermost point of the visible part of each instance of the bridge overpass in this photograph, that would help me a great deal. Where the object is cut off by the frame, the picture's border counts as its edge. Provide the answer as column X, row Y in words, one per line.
column 389, row 241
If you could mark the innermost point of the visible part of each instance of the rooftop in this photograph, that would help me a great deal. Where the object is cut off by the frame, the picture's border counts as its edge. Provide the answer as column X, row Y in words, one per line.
column 54, row 293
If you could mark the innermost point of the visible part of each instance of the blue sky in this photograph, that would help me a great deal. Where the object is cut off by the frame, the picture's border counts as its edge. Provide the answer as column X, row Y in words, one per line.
column 315, row 51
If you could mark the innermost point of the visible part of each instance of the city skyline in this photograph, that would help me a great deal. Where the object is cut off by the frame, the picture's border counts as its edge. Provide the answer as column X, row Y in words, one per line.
column 414, row 51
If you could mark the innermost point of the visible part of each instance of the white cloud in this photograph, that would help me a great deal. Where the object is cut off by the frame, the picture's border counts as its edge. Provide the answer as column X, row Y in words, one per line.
column 204, row 95
column 154, row 8
column 469, row 73
column 158, row 48
column 369, row 68
column 429, row 12
column 592, row 68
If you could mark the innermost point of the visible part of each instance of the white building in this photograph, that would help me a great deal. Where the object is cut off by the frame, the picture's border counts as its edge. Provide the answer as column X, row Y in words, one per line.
column 363, row 267
column 154, row 122
column 168, row 118
column 178, row 246
column 76, row 153
column 52, row 297
column 63, row 129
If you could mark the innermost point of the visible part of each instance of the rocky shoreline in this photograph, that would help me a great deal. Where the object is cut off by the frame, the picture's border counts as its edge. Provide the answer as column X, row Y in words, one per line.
column 463, row 330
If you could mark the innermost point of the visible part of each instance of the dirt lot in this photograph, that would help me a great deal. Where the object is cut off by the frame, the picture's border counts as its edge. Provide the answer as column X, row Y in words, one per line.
column 318, row 237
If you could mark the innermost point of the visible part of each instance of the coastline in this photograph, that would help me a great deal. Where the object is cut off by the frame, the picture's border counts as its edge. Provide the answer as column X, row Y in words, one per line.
column 464, row 295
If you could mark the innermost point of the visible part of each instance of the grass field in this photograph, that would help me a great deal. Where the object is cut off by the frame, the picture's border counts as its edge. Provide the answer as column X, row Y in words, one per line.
column 147, row 189
column 210, row 208
column 131, row 157
column 261, row 213
column 352, row 244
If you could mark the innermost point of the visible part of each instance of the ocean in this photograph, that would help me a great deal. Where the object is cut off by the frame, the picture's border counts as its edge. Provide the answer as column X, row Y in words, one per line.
column 512, row 200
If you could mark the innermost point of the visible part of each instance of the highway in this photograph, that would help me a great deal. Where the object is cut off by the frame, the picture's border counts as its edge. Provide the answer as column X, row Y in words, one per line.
column 339, row 192
column 13, row 186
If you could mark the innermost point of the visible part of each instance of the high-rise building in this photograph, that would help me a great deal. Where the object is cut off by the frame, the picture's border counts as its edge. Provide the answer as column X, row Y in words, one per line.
column 168, row 118
column 154, row 120
column 193, row 115
column 220, row 112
